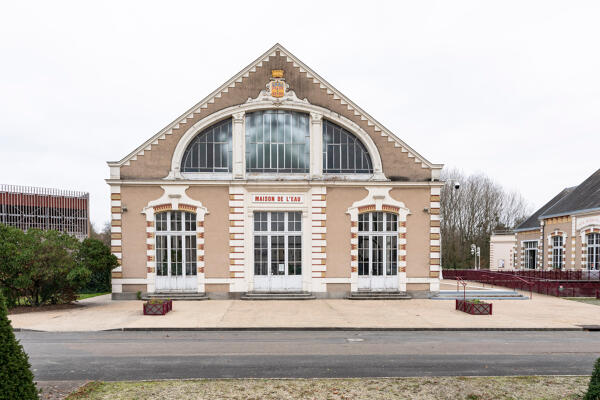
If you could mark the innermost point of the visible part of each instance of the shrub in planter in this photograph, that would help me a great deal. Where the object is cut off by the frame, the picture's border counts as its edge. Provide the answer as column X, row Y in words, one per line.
column 16, row 379
column 474, row 307
column 593, row 392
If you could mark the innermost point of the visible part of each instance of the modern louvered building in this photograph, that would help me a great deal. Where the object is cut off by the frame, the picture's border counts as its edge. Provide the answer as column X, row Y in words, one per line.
column 28, row 207
column 275, row 182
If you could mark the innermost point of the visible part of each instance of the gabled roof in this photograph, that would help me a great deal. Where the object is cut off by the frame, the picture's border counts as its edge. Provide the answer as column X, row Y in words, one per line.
column 533, row 221
column 585, row 197
column 237, row 79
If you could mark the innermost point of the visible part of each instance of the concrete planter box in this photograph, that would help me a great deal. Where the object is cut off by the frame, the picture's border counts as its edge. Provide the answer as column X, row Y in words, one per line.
column 158, row 307
column 473, row 308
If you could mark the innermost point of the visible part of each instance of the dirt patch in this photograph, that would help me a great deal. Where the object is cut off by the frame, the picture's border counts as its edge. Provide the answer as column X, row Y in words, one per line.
column 58, row 390
column 45, row 307
column 444, row 388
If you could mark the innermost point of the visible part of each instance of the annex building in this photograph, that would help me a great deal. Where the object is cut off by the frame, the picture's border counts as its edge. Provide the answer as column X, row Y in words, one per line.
column 275, row 182
column 565, row 232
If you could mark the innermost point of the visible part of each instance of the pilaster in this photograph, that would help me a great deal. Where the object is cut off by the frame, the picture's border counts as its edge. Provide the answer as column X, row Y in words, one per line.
column 316, row 144
column 239, row 145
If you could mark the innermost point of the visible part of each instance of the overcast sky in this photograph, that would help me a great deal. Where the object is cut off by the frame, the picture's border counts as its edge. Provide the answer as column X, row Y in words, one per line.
column 510, row 89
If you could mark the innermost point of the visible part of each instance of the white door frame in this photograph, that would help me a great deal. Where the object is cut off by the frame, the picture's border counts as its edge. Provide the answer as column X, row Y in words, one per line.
column 251, row 207
column 383, row 282
column 183, row 282
column 284, row 282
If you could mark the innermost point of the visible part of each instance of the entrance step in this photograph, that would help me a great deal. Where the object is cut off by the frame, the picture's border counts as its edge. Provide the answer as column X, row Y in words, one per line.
column 175, row 296
column 378, row 296
column 479, row 294
column 277, row 296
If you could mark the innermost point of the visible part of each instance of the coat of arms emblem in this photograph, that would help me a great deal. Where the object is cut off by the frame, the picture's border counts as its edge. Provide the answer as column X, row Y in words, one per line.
column 277, row 88
column 277, row 84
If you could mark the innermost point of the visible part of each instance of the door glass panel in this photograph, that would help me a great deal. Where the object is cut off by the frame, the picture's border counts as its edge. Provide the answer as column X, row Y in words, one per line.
column 190, row 255
column 277, row 255
column 278, row 221
column 363, row 255
column 261, row 255
column 176, row 256
column 162, row 261
column 377, row 254
column 294, row 255
column 391, row 249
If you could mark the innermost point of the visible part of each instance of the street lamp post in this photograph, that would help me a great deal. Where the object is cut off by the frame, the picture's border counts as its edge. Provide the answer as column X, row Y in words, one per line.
column 476, row 253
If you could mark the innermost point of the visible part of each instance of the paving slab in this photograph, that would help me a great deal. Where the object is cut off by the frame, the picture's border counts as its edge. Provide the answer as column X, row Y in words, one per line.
column 102, row 313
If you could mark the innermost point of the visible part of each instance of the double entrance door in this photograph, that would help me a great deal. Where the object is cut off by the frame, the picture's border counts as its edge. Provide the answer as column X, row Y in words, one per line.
column 277, row 251
column 378, row 251
column 176, row 252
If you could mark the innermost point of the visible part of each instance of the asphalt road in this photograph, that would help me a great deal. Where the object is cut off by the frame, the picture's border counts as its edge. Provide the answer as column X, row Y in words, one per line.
column 304, row 354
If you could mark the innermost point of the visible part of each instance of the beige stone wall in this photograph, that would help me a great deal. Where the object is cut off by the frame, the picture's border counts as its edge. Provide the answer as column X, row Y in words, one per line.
column 135, row 198
column 339, row 199
column 156, row 162
column 216, row 228
column 562, row 224
column 417, row 229
column 525, row 236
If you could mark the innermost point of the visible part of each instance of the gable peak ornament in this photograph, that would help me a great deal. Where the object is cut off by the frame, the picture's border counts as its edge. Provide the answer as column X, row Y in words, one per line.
column 277, row 85
column 277, row 92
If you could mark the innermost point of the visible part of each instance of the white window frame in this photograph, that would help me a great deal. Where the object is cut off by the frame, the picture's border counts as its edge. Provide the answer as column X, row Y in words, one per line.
column 593, row 251
column 527, row 247
column 286, row 233
column 184, row 233
column 558, row 252
column 369, row 234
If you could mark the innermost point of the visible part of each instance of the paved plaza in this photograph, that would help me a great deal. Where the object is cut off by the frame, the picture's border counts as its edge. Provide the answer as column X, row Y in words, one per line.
column 102, row 313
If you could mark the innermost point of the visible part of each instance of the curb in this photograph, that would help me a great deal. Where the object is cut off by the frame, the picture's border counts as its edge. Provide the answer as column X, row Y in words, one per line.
column 326, row 329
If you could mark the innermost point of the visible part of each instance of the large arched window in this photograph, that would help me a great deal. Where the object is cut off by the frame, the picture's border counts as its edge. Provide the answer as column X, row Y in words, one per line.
column 277, row 141
column 343, row 153
column 210, row 151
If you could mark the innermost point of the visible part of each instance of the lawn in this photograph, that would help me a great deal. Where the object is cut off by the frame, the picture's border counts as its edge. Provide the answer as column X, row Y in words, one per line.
column 81, row 296
column 450, row 388
column 589, row 300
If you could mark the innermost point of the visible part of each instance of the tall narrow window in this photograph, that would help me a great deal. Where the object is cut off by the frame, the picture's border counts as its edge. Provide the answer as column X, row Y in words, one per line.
column 531, row 251
column 593, row 251
column 377, row 244
column 175, row 244
column 557, row 252
column 277, row 142
column 343, row 153
column 210, row 151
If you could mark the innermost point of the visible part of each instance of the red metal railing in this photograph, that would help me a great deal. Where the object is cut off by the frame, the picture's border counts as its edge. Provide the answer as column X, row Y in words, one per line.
column 564, row 284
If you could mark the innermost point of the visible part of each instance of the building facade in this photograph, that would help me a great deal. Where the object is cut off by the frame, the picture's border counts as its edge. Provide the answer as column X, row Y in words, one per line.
column 565, row 232
column 26, row 207
column 502, row 251
column 275, row 182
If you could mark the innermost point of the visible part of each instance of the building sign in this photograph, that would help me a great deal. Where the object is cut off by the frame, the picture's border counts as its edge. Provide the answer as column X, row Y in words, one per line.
column 278, row 198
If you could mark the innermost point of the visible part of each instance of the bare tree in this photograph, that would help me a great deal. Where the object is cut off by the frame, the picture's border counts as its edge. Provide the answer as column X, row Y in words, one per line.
column 470, row 215
column 103, row 235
